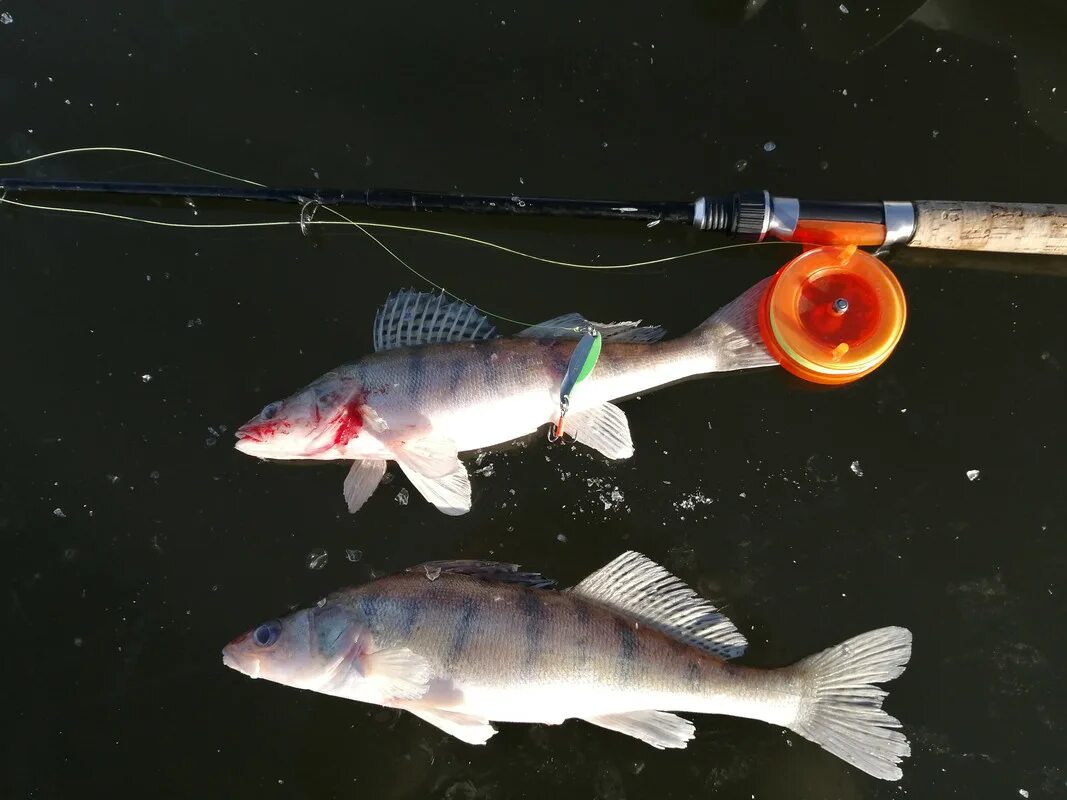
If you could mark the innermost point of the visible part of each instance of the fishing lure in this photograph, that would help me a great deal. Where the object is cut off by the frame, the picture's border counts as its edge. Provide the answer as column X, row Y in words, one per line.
column 581, row 363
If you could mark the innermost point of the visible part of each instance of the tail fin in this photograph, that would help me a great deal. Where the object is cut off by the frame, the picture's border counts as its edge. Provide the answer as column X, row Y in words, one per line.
column 842, row 709
column 733, row 331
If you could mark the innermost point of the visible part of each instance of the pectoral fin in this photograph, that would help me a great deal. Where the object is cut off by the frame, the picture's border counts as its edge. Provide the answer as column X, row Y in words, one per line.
column 657, row 728
column 472, row 730
column 400, row 673
column 604, row 428
column 362, row 479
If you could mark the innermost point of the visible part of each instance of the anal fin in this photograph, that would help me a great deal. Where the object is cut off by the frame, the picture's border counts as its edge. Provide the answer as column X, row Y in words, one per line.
column 657, row 728
column 450, row 493
column 604, row 428
column 472, row 730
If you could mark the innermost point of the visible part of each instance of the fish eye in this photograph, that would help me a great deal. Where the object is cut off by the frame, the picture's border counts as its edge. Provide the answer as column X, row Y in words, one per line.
column 267, row 633
column 270, row 411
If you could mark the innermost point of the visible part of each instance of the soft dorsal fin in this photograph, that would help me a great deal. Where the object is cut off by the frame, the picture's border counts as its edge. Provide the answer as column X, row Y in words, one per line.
column 571, row 326
column 645, row 591
column 410, row 318
column 487, row 570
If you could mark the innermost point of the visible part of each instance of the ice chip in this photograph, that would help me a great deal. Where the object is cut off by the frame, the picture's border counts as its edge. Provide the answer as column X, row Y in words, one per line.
column 402, row 496
column 317, row 559
column 432, row 573
column 857, row 470
column 973, row 474
column 352, row 554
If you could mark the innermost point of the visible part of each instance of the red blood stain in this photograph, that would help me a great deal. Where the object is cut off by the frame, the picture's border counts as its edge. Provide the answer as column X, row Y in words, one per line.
column 350, row 422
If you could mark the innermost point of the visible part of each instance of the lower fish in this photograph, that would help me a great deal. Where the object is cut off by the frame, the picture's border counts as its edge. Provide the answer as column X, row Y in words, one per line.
column 461, row 644
column 441, row 382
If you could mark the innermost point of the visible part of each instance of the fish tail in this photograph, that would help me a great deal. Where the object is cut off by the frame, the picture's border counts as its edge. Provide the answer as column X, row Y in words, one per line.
column 841, row 708
column 731, row 335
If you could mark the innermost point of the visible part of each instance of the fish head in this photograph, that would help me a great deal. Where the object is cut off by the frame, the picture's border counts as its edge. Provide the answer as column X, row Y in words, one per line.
column 313, row 423
column 304, row 649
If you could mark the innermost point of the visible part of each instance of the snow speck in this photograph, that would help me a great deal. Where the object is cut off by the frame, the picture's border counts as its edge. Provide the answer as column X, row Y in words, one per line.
column 561, row 538
column 690, row 501
column 59, row 513
column 857, row 470
column 403, row 496
column 1023, row 793
column 973, row 474
column 740, row 165
column 6, row 18
column 935, row 133
column 317, row 559
column 487, row 471
column 769, row 146
column 146, row 378
column 843, row 8
column 352, row 554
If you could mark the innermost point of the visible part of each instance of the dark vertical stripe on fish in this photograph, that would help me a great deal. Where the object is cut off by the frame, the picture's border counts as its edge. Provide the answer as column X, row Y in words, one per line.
column 627, row 636
column 412, row 612
column 457, row 369
column 370, row 605
column 463, row 630
column 533, row 616
column 582, row 633
column 692, row 674
column 417, row 365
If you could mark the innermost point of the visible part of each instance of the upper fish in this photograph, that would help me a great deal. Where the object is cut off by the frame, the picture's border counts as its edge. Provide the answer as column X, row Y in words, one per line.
column 462, row 643
column 440, row 381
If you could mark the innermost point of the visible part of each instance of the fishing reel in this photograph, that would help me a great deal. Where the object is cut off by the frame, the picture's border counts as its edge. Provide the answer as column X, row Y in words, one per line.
column 833, row 314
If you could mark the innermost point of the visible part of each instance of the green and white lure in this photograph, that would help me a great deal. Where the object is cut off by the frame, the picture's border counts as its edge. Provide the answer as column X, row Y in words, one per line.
column 581, row 363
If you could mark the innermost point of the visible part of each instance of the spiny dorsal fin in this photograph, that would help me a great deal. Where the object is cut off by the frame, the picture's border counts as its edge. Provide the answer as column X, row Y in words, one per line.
column 410, row 318
column 571, row 326
column 642, row 589
column 487, row 570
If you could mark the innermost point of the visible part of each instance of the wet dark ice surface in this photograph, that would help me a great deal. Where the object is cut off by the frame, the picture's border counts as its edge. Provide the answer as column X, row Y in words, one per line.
column 138, row 542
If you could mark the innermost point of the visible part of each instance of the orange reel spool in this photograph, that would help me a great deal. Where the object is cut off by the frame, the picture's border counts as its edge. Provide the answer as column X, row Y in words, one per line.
column 832, row 314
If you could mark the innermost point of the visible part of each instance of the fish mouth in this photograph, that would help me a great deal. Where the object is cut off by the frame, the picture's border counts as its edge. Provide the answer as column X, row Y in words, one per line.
column 248, row 432
column 231, row 661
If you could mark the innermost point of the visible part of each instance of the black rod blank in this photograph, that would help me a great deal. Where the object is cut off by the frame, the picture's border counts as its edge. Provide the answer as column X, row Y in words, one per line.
column 385, row 199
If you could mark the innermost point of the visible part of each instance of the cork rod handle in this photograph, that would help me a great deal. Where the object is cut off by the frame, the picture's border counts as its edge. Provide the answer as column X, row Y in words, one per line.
column 994, row 227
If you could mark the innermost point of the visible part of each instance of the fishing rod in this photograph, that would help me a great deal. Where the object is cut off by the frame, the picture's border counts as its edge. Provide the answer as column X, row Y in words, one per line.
column 752, row 216
column 830, row 315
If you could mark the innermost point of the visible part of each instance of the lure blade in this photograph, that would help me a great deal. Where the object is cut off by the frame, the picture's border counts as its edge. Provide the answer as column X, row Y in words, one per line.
column 581, row 363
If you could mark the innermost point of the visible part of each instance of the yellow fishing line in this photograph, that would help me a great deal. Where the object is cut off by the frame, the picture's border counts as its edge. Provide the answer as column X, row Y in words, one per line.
column 133, row 151
column 343, row 220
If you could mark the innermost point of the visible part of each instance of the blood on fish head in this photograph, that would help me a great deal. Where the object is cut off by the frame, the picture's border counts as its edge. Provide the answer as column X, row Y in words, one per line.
column 309, row 424
column 305, row 649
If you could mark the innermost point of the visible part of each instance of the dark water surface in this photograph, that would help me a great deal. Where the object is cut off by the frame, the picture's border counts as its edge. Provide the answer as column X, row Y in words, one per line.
column 137, row 542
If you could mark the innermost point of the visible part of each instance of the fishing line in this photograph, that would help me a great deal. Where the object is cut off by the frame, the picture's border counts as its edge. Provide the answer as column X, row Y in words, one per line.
column 306, row 220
